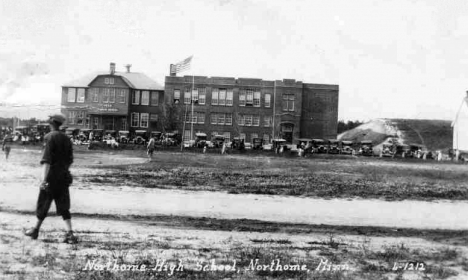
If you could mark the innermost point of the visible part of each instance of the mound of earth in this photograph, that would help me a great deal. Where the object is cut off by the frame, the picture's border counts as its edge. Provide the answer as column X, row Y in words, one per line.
column 431, row 134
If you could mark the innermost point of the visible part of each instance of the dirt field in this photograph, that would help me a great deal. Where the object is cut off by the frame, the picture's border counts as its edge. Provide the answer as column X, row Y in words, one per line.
column 201, row 245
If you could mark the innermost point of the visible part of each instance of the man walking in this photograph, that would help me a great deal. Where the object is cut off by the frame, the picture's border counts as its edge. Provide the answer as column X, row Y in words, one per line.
column 150, row 148
column 56, row 160
column 6, row 145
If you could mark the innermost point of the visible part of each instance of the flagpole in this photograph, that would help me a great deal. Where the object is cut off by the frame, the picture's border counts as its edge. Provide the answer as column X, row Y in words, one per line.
column 183, row 132
column 191, row 100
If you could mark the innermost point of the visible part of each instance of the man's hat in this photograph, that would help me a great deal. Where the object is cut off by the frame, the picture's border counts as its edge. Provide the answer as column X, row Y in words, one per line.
column 57, row 118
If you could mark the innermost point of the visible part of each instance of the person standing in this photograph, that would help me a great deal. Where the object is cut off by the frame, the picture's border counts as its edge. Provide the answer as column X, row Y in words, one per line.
column 56, row 179
column 6, row 147
column 150, row 148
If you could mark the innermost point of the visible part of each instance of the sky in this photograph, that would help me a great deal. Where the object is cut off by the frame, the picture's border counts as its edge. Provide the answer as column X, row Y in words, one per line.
column 391, row 59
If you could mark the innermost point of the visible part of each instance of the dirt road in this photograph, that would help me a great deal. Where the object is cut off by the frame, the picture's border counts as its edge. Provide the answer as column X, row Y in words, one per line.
column 147, row 202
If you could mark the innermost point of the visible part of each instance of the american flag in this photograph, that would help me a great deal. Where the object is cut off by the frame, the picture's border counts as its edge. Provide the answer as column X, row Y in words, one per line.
column 181, row 66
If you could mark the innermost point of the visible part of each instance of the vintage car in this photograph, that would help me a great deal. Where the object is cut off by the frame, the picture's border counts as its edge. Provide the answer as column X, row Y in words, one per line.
column 124, row 136
column 279, row 145
column 157, row 136
column 257, row 143
column 218, row 141
column 98, row 134
column 416, row 150
column 403, row 151
column 305, row 144
column 84, row 134
column 334, row 146
column 366, row 148
column 238, row 143
column 72, row 132
column 200, row 139
column 171, row 139
column 140, row 137
column 347, row 147
column 319, row 146
column 387, row 150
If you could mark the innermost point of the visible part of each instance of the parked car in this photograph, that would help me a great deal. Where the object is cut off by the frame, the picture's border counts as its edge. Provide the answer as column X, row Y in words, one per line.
column 347, row 148
column 200, row 139
column 402, row 150
column 416, row 150
column 366, row 148
column 334, row 146
column 238, row 143
column 171, row 139
column 72, row 132
column 387, row 150
column 218, row 141
column 319, row 146
column 140, row 137
column 124, row 136
column 98, row 134
column 305, row 144
column 257, row 143
column 279, row 145
column 84, row 134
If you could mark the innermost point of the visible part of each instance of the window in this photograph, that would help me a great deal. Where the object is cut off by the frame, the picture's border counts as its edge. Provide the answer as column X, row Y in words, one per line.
column 122, row 95
column 136, row 97
column 144, row 119
column 135, row 119
column 249, row 97
column 81, row 95
column 71, row 94
column 187, row 97
column 252, row 136
column 266, row 121
column 214, row 97
column 241, row 120
column 229, row 119
column 87, row 122
column 222, row 97
column 201, row 96
column 266, row 138
column 123, row 123
column 71, row 117
column 176, row 96
column 256, row 99
column 112, row 95
column 154, row 98
column 154, row 118
column 195, row 95
column 96, row 95
column 111, row 81
column 105, row 96
column 201, row 117
column 145, row 97
column 187, row 117
column 96, row 121
column 229, row 97
column 214, row 118
column 288, row 102
column 221, row 119
column 267, row 100
column 227, row 136
column 256, row 120
column 242, row 136
column 248, row 120
column 187, row 135
column 80, row 117
column 242, row 98
column 106, row 81
column 194, row 117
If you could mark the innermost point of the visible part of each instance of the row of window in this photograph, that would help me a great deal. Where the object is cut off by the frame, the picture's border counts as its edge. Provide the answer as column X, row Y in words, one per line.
column 143, row 97
column 226, row 119
column 227, row 136
column 223, row 97
column 142, row 119
column 78, row 117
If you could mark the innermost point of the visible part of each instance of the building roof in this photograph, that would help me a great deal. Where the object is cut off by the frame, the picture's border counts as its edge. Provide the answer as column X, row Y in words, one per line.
column 133, row 79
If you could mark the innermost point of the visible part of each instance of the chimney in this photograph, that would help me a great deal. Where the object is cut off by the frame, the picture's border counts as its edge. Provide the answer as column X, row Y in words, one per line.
column 172, row 70
column 128, row 67
column 112, row 68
